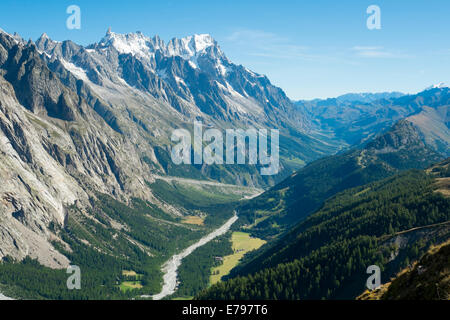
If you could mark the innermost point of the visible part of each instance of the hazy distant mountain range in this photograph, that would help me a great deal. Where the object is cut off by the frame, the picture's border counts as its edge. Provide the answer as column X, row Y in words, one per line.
column 365, row 97
column 356, row 118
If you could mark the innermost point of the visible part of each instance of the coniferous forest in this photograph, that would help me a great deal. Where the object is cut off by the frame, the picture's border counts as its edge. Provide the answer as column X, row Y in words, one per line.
column 326, row 256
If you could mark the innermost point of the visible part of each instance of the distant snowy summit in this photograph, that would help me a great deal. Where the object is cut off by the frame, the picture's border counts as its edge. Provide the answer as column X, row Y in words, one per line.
column 142, row 46
column 440, row 85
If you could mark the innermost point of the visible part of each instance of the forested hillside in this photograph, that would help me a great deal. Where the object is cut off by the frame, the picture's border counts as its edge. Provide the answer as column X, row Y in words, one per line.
column 326, row 256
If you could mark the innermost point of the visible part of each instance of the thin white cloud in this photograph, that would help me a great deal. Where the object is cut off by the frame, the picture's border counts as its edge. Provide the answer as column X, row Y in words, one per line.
column 267, row 44
column 376, row 52
column 259, row 43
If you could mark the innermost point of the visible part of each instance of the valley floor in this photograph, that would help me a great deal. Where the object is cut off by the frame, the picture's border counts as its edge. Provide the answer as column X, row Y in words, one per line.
column 170, row 268
column 242, row 244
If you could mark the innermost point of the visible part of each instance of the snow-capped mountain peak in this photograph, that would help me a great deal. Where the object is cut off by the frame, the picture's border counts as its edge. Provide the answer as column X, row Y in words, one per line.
column 440, row 85
column 203, row 41
column 191, row 46
column 136, row 44
column 140, row 45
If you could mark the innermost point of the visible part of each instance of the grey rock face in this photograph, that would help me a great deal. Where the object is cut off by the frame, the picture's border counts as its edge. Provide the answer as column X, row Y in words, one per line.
column 54, row 148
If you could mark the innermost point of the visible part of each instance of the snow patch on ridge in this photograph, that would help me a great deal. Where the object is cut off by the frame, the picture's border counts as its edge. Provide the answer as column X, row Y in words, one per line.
column 76, row 71
column 440, row 85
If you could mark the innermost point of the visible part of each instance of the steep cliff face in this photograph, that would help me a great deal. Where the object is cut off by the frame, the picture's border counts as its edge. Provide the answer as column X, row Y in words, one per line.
column 54, row 151
column 34, row 187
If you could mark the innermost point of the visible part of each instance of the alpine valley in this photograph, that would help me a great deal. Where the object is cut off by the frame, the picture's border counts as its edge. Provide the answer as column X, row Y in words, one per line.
column 87, row 177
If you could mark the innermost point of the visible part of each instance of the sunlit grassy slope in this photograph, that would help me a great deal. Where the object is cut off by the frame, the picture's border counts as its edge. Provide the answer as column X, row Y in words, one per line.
column 242, row 244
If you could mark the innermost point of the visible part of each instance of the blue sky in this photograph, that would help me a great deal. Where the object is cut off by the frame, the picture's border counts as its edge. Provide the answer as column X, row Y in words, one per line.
column 311, row 49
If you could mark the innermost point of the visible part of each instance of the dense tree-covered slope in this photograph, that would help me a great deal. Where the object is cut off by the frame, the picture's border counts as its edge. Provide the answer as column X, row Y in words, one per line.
column 387, row 223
